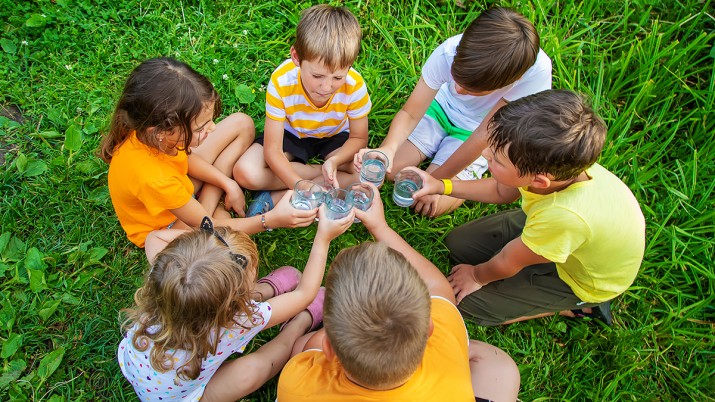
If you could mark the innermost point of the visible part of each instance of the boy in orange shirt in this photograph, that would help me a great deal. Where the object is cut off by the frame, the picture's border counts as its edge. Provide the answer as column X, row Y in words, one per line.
column 392, row 333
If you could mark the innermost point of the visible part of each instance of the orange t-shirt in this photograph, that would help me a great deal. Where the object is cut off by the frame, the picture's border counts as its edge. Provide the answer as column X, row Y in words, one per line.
column 145, row 184
column 443, row 375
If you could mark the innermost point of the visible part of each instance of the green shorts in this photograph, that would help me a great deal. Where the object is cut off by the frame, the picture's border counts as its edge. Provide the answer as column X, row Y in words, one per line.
column 534, row 290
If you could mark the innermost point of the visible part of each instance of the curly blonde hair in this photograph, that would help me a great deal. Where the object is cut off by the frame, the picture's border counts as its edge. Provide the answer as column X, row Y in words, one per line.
column 196, row 286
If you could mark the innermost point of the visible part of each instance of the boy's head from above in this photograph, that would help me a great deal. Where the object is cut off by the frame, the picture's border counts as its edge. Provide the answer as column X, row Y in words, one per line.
column 198, row 283
column 167, row 103
column 326, row 45
column 496, row 50
column 553, row 133
column 376, row 315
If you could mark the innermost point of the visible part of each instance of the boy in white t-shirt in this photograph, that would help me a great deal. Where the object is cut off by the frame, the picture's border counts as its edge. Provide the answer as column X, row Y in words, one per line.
column 464, row 82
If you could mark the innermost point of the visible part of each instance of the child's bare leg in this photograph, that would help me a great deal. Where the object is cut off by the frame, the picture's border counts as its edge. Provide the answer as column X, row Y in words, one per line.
column 346, row 174
column 220, row 214
column 222, row 148
column 238, row 378
column 263, row 291
column 531, row 317
column 252, row 172
column 407, row 155
column 495, row 376
column 157, row 240
column 565, row 313
column 311, row 340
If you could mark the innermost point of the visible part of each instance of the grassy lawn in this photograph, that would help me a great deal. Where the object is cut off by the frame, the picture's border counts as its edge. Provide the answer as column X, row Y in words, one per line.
column 66, row 267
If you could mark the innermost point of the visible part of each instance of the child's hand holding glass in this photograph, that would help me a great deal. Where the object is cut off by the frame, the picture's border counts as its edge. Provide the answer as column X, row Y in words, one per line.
column 284, row 215
column 374, row 218
column 389, row 153
column 430, row 185
column 329, row 229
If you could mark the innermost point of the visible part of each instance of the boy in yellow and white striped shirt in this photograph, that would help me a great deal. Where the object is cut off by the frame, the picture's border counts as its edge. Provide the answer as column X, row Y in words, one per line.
column 316, row 105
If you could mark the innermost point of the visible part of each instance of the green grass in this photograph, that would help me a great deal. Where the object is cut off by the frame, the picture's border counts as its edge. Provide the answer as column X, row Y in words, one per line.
column 66, row 267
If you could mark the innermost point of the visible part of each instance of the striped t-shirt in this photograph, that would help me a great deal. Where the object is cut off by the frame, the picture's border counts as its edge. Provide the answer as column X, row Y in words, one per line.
column 287, row 101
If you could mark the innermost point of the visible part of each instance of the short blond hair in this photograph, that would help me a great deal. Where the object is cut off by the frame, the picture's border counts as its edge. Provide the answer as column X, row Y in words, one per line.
column 328, row 34
column 376, row 314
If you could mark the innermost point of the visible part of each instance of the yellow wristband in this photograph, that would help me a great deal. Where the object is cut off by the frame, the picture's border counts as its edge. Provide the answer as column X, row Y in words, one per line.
column 447, row 186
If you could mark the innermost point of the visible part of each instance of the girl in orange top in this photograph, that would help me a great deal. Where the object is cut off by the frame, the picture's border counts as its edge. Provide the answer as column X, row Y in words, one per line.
column 163, row 147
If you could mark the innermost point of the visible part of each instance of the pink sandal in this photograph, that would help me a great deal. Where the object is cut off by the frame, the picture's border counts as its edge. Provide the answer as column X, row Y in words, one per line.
column 315, row 309
column 282, row 280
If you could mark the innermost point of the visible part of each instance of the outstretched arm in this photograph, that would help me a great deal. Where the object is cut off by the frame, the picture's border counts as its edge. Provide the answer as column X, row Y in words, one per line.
column 484, row 190
column 346, row 153
column 289, row 304
column 404, row 122
column 374, row 221
column 470, row 150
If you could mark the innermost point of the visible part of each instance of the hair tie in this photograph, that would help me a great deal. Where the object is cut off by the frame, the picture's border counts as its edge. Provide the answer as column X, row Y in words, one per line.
column 208, row 226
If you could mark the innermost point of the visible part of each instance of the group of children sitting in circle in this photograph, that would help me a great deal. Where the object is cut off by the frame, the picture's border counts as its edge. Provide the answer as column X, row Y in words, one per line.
column 392, row 328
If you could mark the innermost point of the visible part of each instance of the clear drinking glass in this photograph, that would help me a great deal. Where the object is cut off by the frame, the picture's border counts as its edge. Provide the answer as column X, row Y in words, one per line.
column 325, row 188
column 374, row 167
column 362, row 196
column 306, row 195
column 338, row 203
column 406, row 183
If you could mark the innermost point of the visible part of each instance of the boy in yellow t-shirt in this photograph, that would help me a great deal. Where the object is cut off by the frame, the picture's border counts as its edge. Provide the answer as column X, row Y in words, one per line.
column 316, row 106
column 579, row 238
column 392, row 333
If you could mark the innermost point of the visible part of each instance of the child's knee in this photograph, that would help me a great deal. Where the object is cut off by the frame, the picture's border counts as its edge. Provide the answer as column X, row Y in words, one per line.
column 242, row 125
column 248, row 176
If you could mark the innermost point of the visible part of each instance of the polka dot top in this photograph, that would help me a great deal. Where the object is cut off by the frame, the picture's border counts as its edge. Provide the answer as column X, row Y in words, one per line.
column 152, row 385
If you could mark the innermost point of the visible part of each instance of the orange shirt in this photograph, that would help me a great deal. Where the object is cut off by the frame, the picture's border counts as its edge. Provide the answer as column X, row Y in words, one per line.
column 144, row 185
column 443, row 375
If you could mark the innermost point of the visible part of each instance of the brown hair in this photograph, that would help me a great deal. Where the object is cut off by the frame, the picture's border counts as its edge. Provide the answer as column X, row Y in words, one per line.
column 496, row 49
column 376, row 314
column 163, row 93
column 194, row 288
column 553, row 131
column 328, row 34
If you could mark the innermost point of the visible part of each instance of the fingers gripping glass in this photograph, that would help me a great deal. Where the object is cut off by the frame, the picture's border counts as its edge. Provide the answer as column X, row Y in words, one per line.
column 208, row 226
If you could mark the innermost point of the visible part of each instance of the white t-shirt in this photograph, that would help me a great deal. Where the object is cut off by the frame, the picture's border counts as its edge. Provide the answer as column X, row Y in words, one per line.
column 467, row 111
column 151, row 385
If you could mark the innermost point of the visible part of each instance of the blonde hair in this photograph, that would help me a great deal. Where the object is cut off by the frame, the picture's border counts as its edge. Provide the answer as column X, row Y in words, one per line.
column 376, row 314
column 328, row 34
column 195, row 287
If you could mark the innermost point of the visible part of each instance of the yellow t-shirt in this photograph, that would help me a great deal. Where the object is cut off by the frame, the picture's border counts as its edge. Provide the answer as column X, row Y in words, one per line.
column 287, row 101
column 443, row 375
column 594, row 231
column 144, row 185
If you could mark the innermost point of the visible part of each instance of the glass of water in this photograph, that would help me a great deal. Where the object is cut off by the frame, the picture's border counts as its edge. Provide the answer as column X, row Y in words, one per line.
column 374, row 167
column 306, row 195
column 362, row 196
column 325, row 188
column 338, row 203
column 406, row 183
